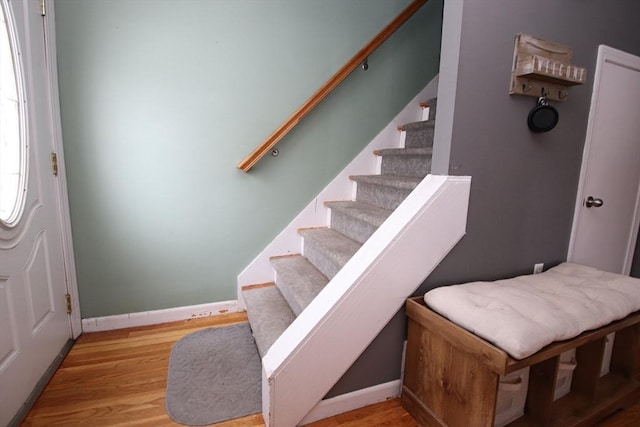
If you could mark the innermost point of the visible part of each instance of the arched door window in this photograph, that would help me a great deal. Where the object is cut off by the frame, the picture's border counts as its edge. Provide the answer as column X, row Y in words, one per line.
column 13, row 151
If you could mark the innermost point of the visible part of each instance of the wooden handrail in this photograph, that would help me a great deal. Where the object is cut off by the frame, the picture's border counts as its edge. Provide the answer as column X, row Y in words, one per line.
column 331, row 84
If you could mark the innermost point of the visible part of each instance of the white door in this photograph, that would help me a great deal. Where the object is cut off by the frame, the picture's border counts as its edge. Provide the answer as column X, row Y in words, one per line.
column 605, row 224
column 34, row 324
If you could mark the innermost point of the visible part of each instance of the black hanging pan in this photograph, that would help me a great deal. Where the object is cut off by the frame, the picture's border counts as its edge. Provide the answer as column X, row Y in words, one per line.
column 543, row 117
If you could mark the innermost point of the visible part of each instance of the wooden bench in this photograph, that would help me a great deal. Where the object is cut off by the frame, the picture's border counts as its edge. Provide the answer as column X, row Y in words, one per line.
column 451, row 375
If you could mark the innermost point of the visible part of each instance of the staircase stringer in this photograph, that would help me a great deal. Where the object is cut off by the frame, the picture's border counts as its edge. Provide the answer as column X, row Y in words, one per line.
column 329, row 335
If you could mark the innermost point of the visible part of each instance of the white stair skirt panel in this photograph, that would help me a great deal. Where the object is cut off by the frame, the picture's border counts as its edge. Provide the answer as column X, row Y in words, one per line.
column 341, row 188
column 329, row 335
column 144, row 318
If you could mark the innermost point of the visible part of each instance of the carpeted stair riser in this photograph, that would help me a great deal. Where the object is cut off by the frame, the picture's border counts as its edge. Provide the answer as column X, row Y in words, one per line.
column 385, row 197
column 356, row 220
column 416, row 165
column 269, row 315
column 419, row 134
column 382, row 191
column 298, row 281
column 354, row 228
column 433, row 104
column 327, row 249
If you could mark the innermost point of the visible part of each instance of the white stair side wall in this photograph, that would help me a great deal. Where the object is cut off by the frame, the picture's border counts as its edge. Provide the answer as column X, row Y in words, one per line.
column 341, row 188
column 360, row 300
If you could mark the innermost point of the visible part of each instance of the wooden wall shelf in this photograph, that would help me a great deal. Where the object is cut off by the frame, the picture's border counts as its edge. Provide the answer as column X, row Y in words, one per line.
column 547, row 70
column 542, row 68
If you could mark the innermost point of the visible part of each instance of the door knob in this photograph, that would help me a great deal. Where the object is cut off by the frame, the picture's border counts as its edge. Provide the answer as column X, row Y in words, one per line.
column 593, row 203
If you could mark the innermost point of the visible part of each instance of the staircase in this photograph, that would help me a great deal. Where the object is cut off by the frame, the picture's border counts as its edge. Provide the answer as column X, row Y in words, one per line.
column 330, row 302
column 272, row 307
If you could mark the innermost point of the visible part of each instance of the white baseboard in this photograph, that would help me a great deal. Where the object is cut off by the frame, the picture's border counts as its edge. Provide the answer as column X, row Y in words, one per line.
column 144, row 318
column 354, row 400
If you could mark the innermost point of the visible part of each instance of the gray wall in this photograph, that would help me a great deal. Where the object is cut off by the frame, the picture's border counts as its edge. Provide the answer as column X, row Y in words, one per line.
column 161, row 99
column 524, row 184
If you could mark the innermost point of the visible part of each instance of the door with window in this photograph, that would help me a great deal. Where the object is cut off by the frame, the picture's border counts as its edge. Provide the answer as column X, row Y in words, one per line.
column 34, row 324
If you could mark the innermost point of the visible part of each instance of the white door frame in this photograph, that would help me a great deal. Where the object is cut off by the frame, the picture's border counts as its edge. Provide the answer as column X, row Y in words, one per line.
column 606, row 54
column 62, row 196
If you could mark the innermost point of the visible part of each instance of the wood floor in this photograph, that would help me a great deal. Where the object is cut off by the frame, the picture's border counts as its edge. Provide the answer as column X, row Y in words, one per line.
column 118, row 378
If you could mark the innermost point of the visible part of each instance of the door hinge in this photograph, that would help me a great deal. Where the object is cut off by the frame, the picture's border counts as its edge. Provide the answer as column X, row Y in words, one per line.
column 43, row 8
column 54, row 163
column 68, row 299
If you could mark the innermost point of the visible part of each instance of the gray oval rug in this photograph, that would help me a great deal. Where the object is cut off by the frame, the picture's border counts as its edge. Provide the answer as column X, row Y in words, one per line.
column 214, row 375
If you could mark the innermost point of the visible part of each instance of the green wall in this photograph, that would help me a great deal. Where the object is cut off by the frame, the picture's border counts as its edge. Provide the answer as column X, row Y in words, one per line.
column 161, row 99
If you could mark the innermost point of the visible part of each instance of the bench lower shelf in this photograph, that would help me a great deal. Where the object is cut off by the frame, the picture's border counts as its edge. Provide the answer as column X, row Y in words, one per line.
column 451, row 376
column 617, row 392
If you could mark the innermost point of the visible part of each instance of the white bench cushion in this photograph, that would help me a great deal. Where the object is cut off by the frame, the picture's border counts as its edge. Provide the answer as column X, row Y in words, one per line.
column 523, row 314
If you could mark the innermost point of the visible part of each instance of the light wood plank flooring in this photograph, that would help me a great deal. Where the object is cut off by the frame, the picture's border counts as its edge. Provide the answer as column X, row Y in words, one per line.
column 118, row 378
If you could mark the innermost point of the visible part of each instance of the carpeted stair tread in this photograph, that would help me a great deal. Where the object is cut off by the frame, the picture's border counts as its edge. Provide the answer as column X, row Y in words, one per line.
column 269, row 315
column 400, row 182
column 298, row 280
column 327, row 249
column 426, row 151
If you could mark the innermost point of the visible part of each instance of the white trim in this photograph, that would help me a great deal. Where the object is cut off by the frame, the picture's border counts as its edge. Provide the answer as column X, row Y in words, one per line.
column 144, row 318
column 447, row 87
column 606, row 54
column 355, row 400
column 403, row 363
column 62, row 197
column 362, row 297
column 341, row 188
